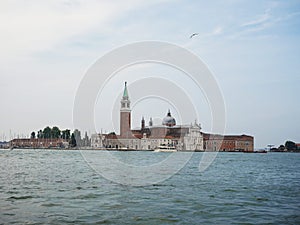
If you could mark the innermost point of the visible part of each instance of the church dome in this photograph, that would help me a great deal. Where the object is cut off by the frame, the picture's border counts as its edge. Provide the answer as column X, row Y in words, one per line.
column 169, row 120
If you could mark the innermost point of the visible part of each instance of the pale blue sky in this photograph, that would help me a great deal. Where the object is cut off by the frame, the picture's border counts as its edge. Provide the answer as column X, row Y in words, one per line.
column 252, row 48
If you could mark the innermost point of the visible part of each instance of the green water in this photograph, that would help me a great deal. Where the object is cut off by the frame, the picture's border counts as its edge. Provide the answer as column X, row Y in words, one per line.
column 58, row 187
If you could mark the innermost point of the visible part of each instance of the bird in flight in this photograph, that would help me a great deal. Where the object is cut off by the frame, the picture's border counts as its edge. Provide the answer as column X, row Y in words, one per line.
column 194, row 34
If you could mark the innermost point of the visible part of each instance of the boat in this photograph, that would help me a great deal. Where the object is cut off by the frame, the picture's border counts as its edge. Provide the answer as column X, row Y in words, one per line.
column 259, row 151
column 165, row 148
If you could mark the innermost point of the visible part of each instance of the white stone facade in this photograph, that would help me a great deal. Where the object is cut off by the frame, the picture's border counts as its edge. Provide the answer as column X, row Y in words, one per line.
column 190, row 141
column 97, row 141
column 193, row 140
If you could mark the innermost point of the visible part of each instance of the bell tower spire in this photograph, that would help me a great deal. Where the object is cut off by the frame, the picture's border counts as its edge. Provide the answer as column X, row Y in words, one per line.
column 125, row 102
column 143, row 123
column 125, row 114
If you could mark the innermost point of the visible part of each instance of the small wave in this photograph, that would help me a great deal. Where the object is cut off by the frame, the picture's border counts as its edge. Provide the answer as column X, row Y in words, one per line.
column 50, row 204
column 169, row 219
column 9, row 214
column 87, row 196
column 162, row 185
column 261, row 199
column 12, row 192
column 230, row 190
column 20, row 197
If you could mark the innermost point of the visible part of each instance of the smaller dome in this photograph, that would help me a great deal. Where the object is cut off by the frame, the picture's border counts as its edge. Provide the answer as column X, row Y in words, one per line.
column 169, row 120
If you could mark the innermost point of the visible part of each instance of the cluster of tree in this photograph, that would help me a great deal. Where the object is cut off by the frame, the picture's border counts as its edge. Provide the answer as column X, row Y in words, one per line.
column 55, row 132
column 74, row 139
column 289, row 146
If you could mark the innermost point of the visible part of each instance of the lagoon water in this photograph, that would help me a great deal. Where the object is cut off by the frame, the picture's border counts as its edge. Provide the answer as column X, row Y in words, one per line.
column 58, row 187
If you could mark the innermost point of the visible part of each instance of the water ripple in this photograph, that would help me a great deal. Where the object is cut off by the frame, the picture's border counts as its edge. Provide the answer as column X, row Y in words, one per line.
column 58, row 187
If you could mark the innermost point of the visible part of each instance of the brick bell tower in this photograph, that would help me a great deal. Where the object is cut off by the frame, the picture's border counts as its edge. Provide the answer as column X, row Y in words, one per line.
column 125, row 115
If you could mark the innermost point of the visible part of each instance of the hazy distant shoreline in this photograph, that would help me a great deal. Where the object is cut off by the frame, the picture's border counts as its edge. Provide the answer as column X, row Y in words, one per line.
column 134, row 150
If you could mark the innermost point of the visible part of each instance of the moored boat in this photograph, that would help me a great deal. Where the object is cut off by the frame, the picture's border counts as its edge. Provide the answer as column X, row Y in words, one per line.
column 259, row 151
column 165, row 148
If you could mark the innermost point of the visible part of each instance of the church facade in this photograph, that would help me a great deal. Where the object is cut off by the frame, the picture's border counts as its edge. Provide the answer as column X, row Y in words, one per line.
column 167, row 135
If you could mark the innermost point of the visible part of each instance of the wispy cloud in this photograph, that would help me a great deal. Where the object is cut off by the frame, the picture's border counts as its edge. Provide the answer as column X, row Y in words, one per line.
column 257, row 24
column 259, row 21
column 288, row 16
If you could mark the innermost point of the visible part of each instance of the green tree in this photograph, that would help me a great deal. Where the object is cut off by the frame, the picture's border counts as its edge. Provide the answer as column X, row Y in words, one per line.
column 32, row 135
column 290, row 146
column 65, row 134
column 47, row 132
column 40, row 134
column 55, row 132
column 281, row 148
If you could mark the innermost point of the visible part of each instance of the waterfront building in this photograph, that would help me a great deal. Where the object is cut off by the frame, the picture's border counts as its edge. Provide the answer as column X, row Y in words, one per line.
column 4, row 144
column 39, row 143
column 228, row 143
column 97, row 140
column 166, row 135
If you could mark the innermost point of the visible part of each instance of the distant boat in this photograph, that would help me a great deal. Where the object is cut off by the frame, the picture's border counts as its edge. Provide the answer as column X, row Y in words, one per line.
column 165, row 148
column 259, row 151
